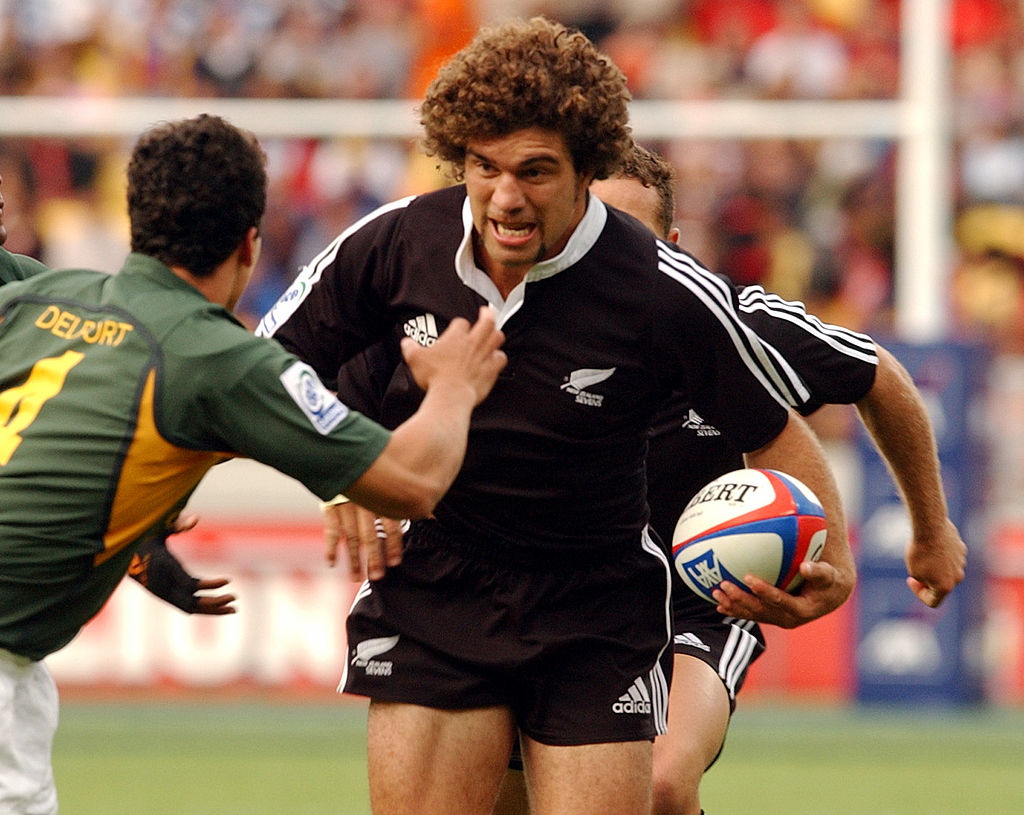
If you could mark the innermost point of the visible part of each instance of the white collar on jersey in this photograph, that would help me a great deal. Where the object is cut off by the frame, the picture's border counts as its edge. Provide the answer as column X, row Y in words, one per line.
column 580, row 242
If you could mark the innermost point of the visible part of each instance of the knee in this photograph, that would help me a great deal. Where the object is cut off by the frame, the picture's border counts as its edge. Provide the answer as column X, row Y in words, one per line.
column 676, row 786
column 675, row 799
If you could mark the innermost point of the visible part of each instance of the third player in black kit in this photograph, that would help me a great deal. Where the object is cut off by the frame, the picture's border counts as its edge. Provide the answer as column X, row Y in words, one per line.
column 839, row 366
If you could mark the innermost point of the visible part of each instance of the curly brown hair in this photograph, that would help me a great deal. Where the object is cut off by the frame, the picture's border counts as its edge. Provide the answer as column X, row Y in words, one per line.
column 195, row 187
column 530, row 73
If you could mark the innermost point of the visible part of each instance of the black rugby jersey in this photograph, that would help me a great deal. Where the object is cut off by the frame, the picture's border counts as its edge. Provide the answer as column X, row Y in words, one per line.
column 597, row 338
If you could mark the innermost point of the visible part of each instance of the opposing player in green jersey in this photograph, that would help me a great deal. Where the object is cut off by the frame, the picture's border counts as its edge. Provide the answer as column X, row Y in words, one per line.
column 119, row 392
column 153, row 566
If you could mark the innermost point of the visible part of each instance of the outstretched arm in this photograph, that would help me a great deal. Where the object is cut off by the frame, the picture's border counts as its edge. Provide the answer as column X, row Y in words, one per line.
column 830, row 359
column 894, row 414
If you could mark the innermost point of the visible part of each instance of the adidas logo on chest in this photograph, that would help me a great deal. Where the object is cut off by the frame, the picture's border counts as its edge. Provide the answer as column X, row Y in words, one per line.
column 423, row 329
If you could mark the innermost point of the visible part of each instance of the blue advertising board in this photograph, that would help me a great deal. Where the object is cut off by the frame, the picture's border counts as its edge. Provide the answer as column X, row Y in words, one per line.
column 907, row 652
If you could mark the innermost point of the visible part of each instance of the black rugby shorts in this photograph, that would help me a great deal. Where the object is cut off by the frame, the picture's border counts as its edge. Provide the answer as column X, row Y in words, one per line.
column 578, row 648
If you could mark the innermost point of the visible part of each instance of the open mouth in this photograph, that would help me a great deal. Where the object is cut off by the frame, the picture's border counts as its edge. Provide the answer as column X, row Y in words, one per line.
column 510, row 234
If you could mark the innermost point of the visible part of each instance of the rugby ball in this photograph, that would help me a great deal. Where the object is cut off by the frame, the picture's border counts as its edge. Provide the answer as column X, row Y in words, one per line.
column 748, row 522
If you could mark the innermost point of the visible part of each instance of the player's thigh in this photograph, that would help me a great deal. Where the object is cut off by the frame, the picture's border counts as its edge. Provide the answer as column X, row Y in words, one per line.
column 427, row 760
column 588, row 779
column 698, row 718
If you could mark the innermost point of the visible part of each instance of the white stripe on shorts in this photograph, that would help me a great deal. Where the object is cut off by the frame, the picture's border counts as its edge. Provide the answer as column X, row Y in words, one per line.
column 658, row 681
column 364, row 590
column 736, row 657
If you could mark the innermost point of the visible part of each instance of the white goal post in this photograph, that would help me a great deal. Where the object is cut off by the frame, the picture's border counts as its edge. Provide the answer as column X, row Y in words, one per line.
column 918, row 121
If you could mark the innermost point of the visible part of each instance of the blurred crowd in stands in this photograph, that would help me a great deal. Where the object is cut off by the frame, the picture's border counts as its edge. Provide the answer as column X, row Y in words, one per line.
column 812, row 220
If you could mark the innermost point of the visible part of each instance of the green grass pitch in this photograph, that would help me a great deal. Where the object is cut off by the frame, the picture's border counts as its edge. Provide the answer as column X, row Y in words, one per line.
column 250, row 758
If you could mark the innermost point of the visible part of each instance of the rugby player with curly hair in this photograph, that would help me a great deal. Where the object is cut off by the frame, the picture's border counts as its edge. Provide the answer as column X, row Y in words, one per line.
column 535, row 600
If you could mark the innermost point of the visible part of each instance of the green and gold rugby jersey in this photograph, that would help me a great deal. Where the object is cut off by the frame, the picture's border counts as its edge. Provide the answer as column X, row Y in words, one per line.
column 18, row 267
column 117, row 394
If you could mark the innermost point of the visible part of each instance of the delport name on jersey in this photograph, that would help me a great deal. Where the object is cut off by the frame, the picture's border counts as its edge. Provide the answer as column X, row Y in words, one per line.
column 70, row 326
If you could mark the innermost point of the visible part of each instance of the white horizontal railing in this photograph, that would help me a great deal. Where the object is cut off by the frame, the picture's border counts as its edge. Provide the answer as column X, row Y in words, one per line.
column 919, row 121
column 71, row 117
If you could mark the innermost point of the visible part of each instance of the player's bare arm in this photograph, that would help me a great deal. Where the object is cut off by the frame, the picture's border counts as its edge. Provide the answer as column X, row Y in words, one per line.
column 896, row 417
column 425, row 452
column 828, row 582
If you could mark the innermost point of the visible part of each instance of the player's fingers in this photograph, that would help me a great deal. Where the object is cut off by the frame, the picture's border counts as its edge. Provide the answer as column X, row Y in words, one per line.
column 818, row 573
column 459, row 325
column 780, row 607
column 765, row 591
column 390, row 532
column 373, row 546
column 332, row 533
column 734, row 602
column 212, row 583
column 353, row 541
column 765, row 603
column 490, row 338
column 484, row 331
column 216, row 605
column 941, row 577
column 931, row 597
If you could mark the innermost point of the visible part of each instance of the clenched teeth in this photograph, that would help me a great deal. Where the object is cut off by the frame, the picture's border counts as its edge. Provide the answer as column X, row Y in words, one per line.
column 512, row 232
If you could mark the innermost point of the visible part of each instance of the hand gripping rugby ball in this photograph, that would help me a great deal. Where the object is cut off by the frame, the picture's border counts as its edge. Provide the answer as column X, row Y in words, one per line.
column 748, row 522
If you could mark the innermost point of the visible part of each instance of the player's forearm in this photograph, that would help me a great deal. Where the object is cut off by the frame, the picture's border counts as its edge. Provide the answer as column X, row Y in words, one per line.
column 895, row 416
column 796, row 451
column 422, row 458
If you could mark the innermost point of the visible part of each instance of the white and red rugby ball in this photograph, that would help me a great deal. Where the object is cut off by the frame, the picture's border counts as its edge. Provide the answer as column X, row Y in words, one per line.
column 748, row 522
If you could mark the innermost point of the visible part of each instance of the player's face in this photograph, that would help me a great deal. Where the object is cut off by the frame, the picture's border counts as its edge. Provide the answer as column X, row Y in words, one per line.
column 526, row 199
column 631, row 196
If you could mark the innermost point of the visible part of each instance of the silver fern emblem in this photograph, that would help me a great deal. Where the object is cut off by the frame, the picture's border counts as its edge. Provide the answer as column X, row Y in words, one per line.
column 585, row 377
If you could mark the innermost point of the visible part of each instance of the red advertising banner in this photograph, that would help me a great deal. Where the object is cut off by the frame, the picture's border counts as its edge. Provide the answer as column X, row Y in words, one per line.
column 288, row 632
column 288, row 636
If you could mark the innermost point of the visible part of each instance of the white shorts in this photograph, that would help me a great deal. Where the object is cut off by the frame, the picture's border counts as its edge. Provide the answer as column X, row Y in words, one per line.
column 28, row 720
